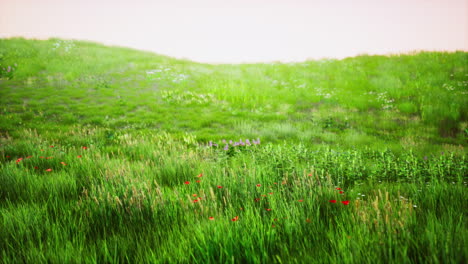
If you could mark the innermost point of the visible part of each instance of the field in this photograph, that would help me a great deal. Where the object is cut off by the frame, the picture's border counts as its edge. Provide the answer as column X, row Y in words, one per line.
column 112, row 155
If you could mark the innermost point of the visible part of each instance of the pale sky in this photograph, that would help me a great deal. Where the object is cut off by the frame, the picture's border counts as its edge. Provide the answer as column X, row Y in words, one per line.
column 236, row 31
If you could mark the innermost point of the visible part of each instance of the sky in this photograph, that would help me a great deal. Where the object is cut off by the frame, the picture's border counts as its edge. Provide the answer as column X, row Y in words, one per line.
column 246, row 31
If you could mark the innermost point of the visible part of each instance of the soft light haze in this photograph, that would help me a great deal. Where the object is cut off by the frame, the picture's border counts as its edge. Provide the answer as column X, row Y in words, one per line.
column 238, row 31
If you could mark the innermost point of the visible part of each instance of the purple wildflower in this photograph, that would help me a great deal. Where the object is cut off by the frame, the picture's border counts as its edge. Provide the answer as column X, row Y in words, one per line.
column 226, row 147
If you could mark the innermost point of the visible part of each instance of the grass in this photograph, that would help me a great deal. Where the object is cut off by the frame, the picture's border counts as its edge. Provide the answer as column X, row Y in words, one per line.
column 105, row 156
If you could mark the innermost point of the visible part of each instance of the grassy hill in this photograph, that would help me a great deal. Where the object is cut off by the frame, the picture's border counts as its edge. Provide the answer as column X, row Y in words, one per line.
column 109, row 154
column 417, row 100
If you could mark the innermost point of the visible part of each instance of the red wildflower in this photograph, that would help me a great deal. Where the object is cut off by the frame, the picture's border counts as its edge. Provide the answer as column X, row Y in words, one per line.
column 7, row 156
column 18, row 160
column 211, row 218
column 28, row 157
column 198, row 181
column 79, row 156
column 268, row 209
column 257, row 199
column 235, row 218
column 51, row 146
column 258, row 185
column 195, row 201
column 341, row 192
column 310, row 174
column 301, row 201
column 84, row 147
column 338, row 188
column 63, row 163
column 270, row 193
column 345, row 202
column 41, row 157
column 48, row 170
column 194, row 195
column 36, row 167
column 187, row 182
column 219, row 186
column 200, row 175
column 332, row 201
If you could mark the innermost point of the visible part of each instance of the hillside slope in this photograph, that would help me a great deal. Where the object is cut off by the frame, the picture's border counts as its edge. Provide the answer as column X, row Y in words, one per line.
column 417, row 100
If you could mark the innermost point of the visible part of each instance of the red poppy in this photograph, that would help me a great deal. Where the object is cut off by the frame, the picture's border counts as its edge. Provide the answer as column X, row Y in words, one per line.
column 18, row 160
column 219, row 186
column 79, row 156
column 257, row 199
column 258, row 185
column 41, row 157
column 338, row 188
column 332, row 201
column 187, row 182
column 28, row 157
column 310, row 174
column 345, row 202
column 270, row 193
column 194, row 195
column 195, row 201
column 7, row 156
column 63, row 163
column 268, row 209
column 341, row 192
column 198, row 181
column 84, row 147
column 36, row 167
column 211, row 218
column 301, row 201
column 51, row 146
column 200, row 175
column 235, row 218
column 48, row 170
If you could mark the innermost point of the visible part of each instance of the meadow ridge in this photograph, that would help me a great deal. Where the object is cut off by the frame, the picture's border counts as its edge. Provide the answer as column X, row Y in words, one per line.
column 112, row 155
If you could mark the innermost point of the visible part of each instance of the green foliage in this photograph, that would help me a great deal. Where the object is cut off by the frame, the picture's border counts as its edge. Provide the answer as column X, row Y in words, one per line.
column 104, row 157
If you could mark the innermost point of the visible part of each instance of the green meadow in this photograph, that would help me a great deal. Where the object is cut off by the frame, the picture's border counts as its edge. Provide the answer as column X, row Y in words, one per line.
column 112, row 155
